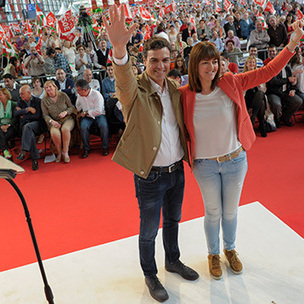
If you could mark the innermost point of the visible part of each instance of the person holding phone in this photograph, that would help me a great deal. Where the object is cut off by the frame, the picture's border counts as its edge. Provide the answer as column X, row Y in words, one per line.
column 34, row 63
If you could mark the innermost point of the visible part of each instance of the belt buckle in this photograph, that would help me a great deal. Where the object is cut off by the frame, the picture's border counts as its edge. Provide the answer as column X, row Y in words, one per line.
column 170, row 168
column 218, row 159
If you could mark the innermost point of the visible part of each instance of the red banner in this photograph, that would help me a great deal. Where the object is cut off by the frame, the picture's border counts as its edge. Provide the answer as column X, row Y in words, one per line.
column 50, row 18
column 66, row 22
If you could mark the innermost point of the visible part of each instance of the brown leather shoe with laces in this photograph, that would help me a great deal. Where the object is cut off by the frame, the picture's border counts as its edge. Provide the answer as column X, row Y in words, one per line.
column 234, row 262
column 215, row 266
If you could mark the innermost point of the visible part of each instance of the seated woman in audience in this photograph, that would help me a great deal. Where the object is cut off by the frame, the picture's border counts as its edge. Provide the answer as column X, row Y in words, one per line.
column 255, row 98
column 180, row 64
column 37, row 90
column 11, row 68
column 57, row 109
column 8, row 123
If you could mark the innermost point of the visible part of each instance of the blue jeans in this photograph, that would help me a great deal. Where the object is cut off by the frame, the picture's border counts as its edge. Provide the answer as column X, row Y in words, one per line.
column 221, row 186
column 102, row 125
column 160, row 191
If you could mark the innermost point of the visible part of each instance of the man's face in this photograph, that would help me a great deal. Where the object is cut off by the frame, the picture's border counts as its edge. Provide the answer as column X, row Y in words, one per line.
column 272, row 52
column 60, row 75
column 8, row 83
column 230, row 19
column 230, row 34
column 110, row 71
column 87, row 75
column 258, row 26
column 230, row 46
column 103, row 45
column 157, row 64
column 83, row 92
column 273, row 22
column 253, row 51
column 25, row 94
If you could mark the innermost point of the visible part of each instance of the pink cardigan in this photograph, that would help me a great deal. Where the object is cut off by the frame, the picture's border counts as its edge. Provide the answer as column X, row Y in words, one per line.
column 233, row 86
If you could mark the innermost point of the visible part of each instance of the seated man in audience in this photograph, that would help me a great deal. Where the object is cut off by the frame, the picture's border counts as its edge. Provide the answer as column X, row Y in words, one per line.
column 253, row 51
column 65, row 84
column 90, row 104
column 113, row 106
column 12, row 86
column 31, row 124
column 93, row 83
column 217, row 41
column 272, row 52
column 235, row 39
column 235, row 53
column 281, row 95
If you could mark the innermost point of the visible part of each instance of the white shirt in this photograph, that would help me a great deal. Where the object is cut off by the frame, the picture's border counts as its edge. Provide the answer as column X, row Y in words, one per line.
column 93, row 104
column 215, row 125
column 170, row 150
column 94, row 84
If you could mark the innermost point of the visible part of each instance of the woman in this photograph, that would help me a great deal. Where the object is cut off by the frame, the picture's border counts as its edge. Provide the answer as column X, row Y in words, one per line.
column 8, row 123
column 220, row 131
column 172, row 33
column 288, row 24
column 12, row 67
column 57, row 109
column 37, row 90
column 69, row 52
column 180, row 64
column 82, row 61
column 255, row 98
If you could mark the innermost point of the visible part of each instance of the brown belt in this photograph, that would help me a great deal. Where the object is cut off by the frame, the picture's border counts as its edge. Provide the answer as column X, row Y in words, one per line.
column 229, row 156
column 167, row 169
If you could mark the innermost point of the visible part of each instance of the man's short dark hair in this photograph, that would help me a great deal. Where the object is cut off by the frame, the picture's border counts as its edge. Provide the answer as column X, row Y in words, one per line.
column 8, row 76
column 82, row 84
column 50, row 51
column 155, row 43
column 109, row 64
column 174, row 73
column 229, row 41
column 252, row 46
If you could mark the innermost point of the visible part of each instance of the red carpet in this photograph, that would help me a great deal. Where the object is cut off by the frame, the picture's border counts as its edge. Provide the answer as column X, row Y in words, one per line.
column 92, row 201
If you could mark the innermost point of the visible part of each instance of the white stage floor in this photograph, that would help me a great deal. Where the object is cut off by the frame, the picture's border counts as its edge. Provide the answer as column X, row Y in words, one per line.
column 272, row 254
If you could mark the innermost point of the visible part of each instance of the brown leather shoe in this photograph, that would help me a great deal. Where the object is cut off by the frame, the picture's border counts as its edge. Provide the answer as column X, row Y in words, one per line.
column 215, row 266
column 234, row 262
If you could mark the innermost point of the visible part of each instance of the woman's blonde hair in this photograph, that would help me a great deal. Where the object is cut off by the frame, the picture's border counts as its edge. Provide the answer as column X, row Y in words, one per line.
column 247, row 60
column 50, row 82
column 6, row 92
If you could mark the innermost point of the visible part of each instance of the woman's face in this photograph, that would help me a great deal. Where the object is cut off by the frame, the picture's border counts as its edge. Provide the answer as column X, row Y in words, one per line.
column 207, row 69
column 37, row 83
column 50, row 90
column 251, row 64
column 180, row 62
column 3, row 97
column 135, row 70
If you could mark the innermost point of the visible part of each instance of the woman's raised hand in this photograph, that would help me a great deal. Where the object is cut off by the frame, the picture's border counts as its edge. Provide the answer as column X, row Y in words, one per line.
column 298, row 29
column 118, row 33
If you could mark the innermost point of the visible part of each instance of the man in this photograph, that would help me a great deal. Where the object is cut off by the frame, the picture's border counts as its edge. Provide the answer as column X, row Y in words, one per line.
column 34, row 63
column 259, row 38
column 229, row 26
column 60, row 60
column 90, row 104
column 253, row 51
column 65, row 84
column 277, row 33
column 201, row 30
column 93, row 83
column 12, row 86
column 272, row 52
column 195, row 39
column 112, row 104
column 102, row 54
column 234, row 38
column 282, row 98
column 152, row 147
column 217, row 41
column 247, row 26
column 31, row 124
column 234, row 53
column 180, row 45
column 237, row 24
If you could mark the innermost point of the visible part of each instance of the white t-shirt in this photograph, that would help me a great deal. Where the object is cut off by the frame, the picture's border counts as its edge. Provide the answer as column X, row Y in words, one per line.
column 215, row 125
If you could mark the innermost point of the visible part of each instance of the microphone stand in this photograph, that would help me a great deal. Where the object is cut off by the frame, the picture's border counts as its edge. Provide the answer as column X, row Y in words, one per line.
column 9, row 174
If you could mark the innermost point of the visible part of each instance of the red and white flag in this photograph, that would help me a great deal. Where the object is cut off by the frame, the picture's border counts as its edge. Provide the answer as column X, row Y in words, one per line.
column 269, row 8
column 261, row 3
column 299, row 15
column 144, row 13
column 66, row 23
column 227, row 5
column 170, row 8
column 50, row 18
